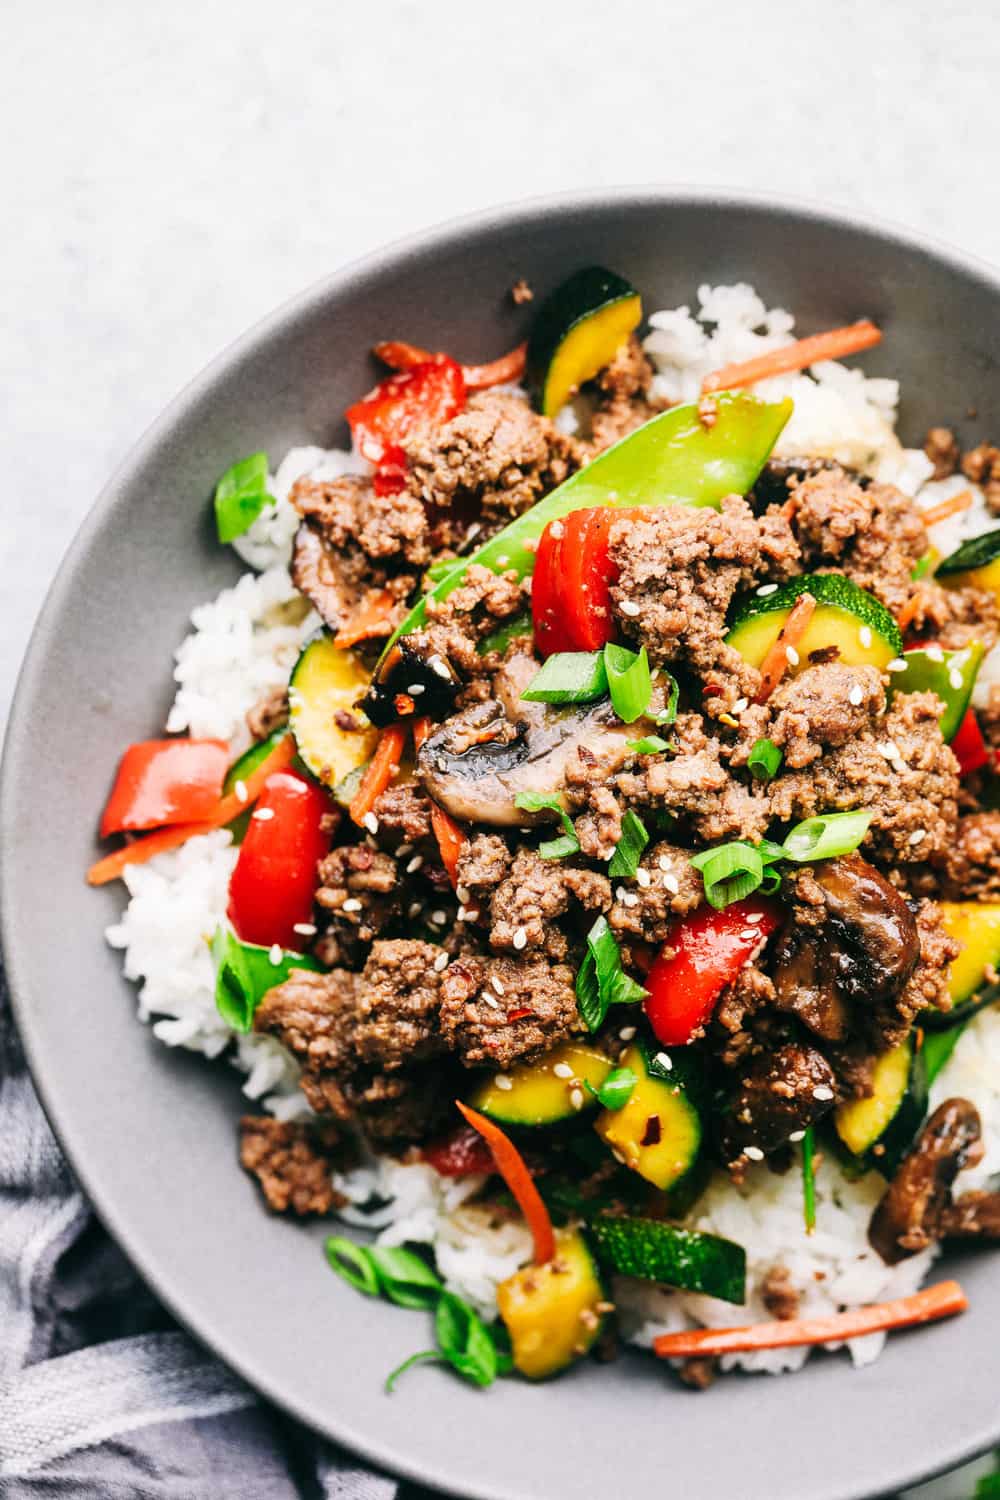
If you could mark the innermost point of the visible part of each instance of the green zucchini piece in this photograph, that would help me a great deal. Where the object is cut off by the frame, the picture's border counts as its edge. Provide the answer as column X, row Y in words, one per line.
column 945, row 1020
column 554, row 1313
column 949, row 674
column 683, row 1258
column 674, row 459
column 658, row 1133
column 546, row 1091
column 976, row 564
column 975, row 926
column 326, row 681
column 880, row 1130
column 937, row 1050
column 847, row 617
column 578, row 329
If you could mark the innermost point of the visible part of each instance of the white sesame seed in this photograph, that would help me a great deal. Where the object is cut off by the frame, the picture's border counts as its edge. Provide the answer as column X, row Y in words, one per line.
column 414, row 910
column 918, row 835
column 671, row 883
column 440, row 963
column 242, row 795
column 461, row 914
column 562, row 1070
column 754, row 1153
column 664, row 861
column 740, row 705
column 856, row 695
column 630, row 608
column 404, row 850
column 556, row 529
column 473, row 530
column 503, row 1082
column 797, row 1135
column 275, row 954
column 438, row 665
column 619, row 1156
column 463, row 894
column 956, row 679
column 791, row 656
column 263, row 814
column 934, row 652
column 495, row 982
column 749, row 934
column 823, row 1094
column 896, row 665
column 351, row 904
column 627, row 1033
column 490, row 1000
column 416, row 688
column 643, row 878
column 371, row 822
column 766, row 589
column 889, row 749
column 865, row 636
column 414, row 864
column 576, row 1098
column 439, row 918
column 664, row 1061
column 305, row 929
column 630, row 899
column 520, row 939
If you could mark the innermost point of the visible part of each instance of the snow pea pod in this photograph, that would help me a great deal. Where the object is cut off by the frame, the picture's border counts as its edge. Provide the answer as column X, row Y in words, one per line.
column 949, row 674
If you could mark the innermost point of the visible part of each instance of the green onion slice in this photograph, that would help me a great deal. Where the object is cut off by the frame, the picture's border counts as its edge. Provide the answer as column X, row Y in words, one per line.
column 616, row 1090
column 669, row 714
column 354, row 1263
column 629, row 681
column 569, row 677
column 764, row 760
column 826, row 836
column 601, row 981
column 628, row 850
column 731, row 871
column 567, row 843
column 650, row 744
column 240, row 496
column 809, row 1180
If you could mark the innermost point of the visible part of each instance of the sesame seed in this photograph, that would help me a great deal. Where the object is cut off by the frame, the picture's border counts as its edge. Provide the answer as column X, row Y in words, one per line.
column 791, row 656
column 671, row 883
column 766, row 589
column 440, row 963
column 754, row 1153
column 264, row 814
column 404, row 850
column 463, row 894
column 490, row 1000
column 576, row 1098
column 630, row 608
column 630, row 899
column 416, row 688
column 753, row 919
column 473, row 530
column 740, row 705
column 619, row 1156
column 556, row 530
column 461, row 914
column 664, row 861
column 644, row 879
column 371, row 822
column 495, row 982
column 896, row 665
column 823, row 1094
column 414, row 864
column 414, row 910
column 918, row 835
column 955, row 678
column 749, row 934
column 664, row 1061
column 439, row 918
column 305, row 929
column 351, row 904
column 865, row 636
column 520, row 939
column 242, row 795
column 438, row 665
column 275, row 954
column 562, row 1070
column 627, row 1033
column 890, row 750
column 934, row 652
column 797, row 1135
column 503, row 1082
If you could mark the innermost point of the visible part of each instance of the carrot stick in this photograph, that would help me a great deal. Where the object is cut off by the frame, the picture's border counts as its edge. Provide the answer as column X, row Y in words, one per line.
column 908, row 611
column 229, row 807
column 775, row 663
column 421, row 729
column 834, row 344
column 372, row 618
column 451, row 838
column 940, row 1301
column 510, row 1165
column 402, row 356
column 946, row 508
column 382, row 769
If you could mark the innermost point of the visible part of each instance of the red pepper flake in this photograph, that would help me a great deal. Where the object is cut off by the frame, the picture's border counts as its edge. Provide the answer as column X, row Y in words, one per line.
column 711, row 690
column 519, row 1015
column 404, row 704
column 652, row 1133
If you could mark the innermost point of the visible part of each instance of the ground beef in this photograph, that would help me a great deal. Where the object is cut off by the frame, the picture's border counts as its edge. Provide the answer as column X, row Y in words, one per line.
column 292, row 1162
column 404, row 810
column 622, row 397
column 349, row 514
column 776, row 1098
column 942, row 450
column 499, row 1011
column 678, row 571
column 314, row 1016
column 696, row 783
column 398, row 1000
column 397, row 1109
column 751, row 992
column 968, row 869
column 592, row 799
column 698, row 1372
column 526, row 905
column 902, row 772
column 779, row 1295
column 484, row 861
column 780, row 553
column 666, row 886
column 929, row 984
column 268, row 713
column 492, row 461
column 824, row 706
column 455, row 625
column 982, row 466
column 873, row 533
column 954, row 617
column 362, row 892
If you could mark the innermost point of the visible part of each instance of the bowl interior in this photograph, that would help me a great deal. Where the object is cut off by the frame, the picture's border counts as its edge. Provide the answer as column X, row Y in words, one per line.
column 151, row 1133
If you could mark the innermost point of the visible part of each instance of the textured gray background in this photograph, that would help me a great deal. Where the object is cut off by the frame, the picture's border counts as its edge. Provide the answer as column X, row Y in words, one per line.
column 170, row 173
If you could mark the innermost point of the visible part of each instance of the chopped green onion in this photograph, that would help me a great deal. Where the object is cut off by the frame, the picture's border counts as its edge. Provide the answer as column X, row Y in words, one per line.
column 567, row 843
column 616, row 1090
column 650, row 744
column 569, row 677
column 403, row 1277
column 809, row 1179
column 240, row 496
column 601, row 981
column 764, row 760
column 628, row 850
column 354, row 1263
column 925, row 564
column 826, row 836
column 629, row 681
column 730, row 872
column 245, row 972
column 669, row 714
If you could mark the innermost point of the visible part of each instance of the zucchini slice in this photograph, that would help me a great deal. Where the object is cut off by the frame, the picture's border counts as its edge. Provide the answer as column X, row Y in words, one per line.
column 862, row 629
column 658, row 1133
column 578, row 330
column 880, row 1130
column 949, row 674
column 326, row 681
column 546, row 1091
column 975, row 925
column 683, row 1258
column 553, row 1313
column 976, row 564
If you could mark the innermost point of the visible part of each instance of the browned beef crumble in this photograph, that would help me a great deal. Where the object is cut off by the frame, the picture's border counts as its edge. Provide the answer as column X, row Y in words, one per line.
column 456, row 625
column 779, row 1295
column 872, row 533
column 293, row 1163
column 527, row 903
column 698, row 1372
column 780, row 1092
column 622, row 397
column 361, row 893
column 696, row 783
column 982, row 466
column 666, row 887
column 404, row 809
column 499, row 1011
column 313, row 1015
column 942, row 450
column 268, row 714
column 954, row 617
column 484, row 861
column 823, row 707
column 969, row 868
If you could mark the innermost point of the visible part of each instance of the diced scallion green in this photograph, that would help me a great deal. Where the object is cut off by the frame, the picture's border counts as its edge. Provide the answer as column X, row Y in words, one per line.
column 240, row 496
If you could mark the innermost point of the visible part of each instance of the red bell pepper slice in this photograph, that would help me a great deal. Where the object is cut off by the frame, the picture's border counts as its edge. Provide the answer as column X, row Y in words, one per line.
column 462, row 1153
column 400, row 407
column 571, row 587
column 703, row 954
column 162, row 782
column 272, row 885
column 969, row 747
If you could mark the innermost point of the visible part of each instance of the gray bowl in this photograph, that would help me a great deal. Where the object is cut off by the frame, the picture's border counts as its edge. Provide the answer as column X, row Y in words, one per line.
column 151, row 1133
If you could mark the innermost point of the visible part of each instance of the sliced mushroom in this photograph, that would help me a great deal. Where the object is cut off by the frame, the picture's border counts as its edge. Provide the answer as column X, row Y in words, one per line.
column 974, row 1216
column 915, row 1207
column 852, row 954
column 780, row 1093
column 319, row 573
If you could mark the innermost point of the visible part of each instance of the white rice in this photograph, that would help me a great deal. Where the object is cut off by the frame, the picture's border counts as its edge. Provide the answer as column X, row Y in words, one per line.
column 245, row 643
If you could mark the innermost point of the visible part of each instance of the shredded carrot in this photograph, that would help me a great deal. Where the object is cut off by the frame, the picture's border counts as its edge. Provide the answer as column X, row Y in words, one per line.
column 450, row 835
column 510, row 1164
column 402, row 356
column 908, row 611
column 775, row 663
column 229, row 807
column 421, row 729
column 946, row 508
column 834, row 344
column 382, row 769
column 940, row 1301
column 372, row 618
